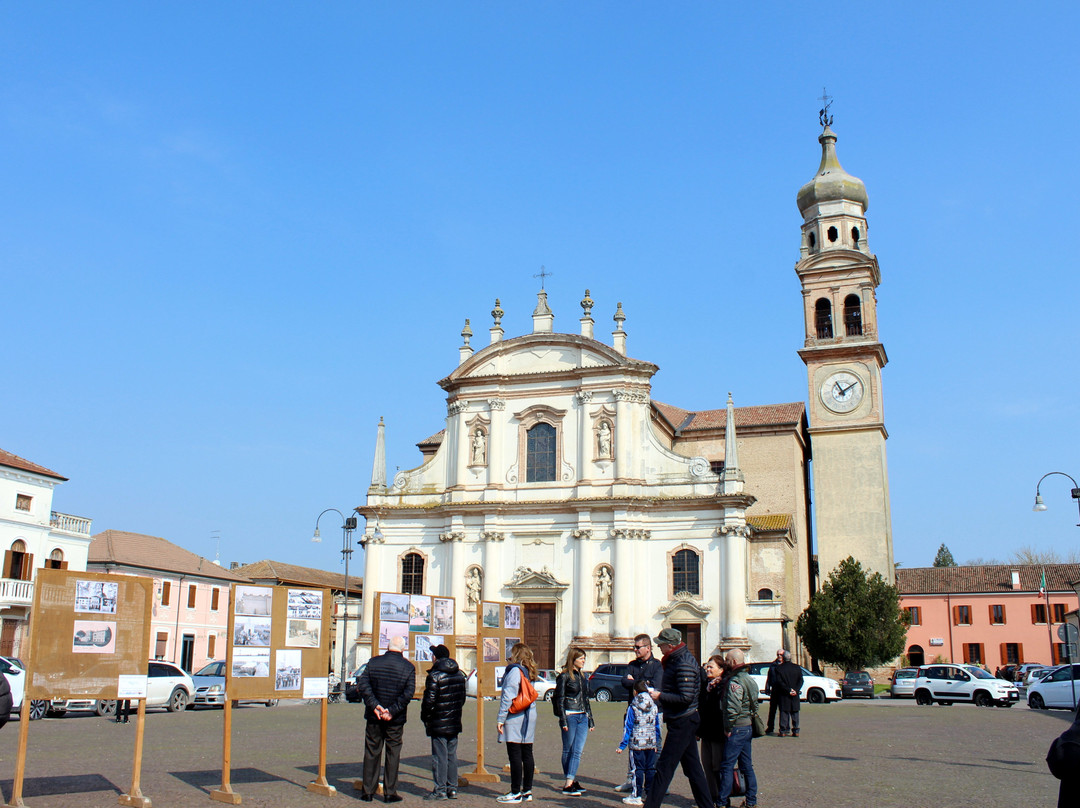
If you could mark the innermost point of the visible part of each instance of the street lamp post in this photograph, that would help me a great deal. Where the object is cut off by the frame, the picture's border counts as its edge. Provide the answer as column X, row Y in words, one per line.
column 348, row 525
column 1041, row 506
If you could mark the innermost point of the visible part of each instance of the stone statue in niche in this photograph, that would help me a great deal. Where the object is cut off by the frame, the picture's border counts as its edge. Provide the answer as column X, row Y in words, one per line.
column 603, row 590
column 474, row 584
column 479, row 448
column 603, row 441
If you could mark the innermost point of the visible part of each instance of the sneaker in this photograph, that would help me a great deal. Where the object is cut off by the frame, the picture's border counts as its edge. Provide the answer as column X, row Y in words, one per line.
column 434, row 795
column 451, row 793
column 512, row 797
column 632, row 800
column 625, row 787
column 578, row 788
column 572, row 790
column 526, row 796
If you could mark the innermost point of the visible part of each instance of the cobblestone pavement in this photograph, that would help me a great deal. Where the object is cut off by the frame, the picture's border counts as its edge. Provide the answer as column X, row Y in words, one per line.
column 873, row 753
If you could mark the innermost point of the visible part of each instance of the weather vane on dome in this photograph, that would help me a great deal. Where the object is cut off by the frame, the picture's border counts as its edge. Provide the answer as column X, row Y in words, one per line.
column 543, row 273
column 824, row 118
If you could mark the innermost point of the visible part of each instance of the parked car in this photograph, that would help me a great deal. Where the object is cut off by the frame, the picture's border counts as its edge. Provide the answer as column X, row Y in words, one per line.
column 16, row 676
column 605, row 683
column 1036, row 674
column 352, row 685
column 945, row 684
column 544, row 684
column 1025, row 670
column 167, row 685
column 209, row 684
column 816, row 689
column 857, row 684
column 1056, row 689
column 902, row 683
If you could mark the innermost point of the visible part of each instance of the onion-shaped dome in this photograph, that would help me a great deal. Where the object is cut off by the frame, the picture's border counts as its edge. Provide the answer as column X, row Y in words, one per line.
column 831, row 183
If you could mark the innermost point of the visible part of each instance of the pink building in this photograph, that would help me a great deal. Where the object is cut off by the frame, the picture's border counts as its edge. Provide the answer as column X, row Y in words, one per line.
column 987, row 615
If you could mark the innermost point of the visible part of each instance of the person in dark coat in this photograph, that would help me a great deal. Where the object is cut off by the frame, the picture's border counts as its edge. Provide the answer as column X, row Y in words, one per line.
column 1064, row 762
column 440, row 710
column 643, row 666
column 386, row 685
column 711, row 730
column 770, row 724
column 786, row 687
column 572, row 708
column 678, row 698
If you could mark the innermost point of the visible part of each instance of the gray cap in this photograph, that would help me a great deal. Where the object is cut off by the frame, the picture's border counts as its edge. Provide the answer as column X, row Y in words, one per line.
column 669, row 636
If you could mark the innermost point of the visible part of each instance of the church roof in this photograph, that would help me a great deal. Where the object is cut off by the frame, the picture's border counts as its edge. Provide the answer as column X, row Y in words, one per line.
column 990, row 578
column 434, row 440
column 153, row 554
column 280, row 572
column 13, row 461
column 683, row 421
column 770, row 521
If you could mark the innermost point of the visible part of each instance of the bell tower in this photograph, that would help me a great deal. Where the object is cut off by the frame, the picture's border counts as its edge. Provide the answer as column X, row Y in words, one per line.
column 844, row 357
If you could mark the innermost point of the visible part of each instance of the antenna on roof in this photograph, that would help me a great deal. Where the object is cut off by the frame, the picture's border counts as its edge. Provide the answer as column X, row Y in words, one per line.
column 216, row 536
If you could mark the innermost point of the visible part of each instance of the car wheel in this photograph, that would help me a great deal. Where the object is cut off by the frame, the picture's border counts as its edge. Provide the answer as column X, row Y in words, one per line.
column 106, row 707
column 816, row 696
column 547, row 696
column 1035, row 702
column 38, row 708
column 922, row 698
column 982, row 699
column 272, row 703
column 178, row 701
column 603, row 694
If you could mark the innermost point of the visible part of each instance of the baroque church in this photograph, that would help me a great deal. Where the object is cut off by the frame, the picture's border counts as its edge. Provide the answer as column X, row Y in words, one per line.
column 560, row 483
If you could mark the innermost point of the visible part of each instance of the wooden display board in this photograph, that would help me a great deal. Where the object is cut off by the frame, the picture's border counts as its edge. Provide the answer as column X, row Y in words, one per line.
column 87, row 629
column 279, row 636
column 424, row 620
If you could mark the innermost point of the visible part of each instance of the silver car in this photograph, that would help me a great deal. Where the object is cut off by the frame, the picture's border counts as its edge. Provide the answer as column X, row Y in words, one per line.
column 902, row 684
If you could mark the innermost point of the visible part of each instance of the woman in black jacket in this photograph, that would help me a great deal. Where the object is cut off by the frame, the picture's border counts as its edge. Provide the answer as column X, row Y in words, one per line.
column 711, row 729
column 571, row 705
column 440, row 710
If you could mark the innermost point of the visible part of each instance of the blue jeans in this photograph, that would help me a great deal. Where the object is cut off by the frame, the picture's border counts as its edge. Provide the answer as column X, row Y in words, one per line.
column 644, row 769
column 737, row 749
column 573, row 743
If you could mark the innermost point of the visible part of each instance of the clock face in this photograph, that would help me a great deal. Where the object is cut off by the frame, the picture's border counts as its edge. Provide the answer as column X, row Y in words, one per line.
column 842, row 391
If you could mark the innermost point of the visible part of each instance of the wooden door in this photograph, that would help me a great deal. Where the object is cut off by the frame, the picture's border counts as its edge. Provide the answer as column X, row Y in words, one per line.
column 7, row 638
column 540, row 632
column 691, row 633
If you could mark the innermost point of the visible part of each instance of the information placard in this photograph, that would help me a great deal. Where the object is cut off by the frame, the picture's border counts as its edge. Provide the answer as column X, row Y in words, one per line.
column 498, row 628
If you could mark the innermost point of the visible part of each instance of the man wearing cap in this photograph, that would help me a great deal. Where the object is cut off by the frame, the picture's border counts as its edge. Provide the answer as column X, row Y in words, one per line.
column 440, row 710
column 678, row 698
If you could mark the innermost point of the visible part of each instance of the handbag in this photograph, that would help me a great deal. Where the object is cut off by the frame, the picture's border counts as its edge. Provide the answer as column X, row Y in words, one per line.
column 757, row 726
column 526, row 694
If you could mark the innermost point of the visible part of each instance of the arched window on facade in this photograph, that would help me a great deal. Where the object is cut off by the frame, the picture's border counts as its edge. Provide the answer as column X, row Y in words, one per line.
column 685, row 572
column 18, row 564
column 412, row 574
column 540, row 454
column 853, row 316
column 823, row 318
column 764, row 594
column 56, row 560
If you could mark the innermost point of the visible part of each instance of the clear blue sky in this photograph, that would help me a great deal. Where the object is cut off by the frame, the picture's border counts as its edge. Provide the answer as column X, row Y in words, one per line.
column 234, row 235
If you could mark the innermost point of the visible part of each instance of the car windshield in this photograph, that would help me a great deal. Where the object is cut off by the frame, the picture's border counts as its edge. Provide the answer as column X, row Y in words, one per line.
column 979, row 673
column 905, row 674
column 213, row 669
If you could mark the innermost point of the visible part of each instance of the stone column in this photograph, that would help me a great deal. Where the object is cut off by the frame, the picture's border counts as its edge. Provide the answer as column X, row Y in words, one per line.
column 585, row 436
column 374, row 558
column 622, row 586
column 583, row 621
column 458, row 462
column 733, row 579
column 623, row 430
column 496, row 406
column 493, row 572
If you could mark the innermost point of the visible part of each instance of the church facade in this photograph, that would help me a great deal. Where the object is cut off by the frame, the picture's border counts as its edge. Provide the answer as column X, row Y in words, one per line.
column 559, row 482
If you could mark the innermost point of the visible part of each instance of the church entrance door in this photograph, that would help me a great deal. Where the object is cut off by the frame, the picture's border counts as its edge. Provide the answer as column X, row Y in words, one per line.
column 540, row 632
column 691, row 633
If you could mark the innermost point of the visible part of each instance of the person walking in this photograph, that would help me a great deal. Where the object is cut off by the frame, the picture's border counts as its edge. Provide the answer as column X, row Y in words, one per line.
column 678, row 698
column 641, row 733
column 386, row 685
column 711, row 729
column 770, row 724
column 740, row 702
column 571, row 705
column 643, row 666
column 440, row 710
column 518, row 729
column 787, row 687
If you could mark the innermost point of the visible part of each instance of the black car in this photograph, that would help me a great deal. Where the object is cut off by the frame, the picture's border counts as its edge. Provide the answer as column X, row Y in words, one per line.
column 352, row 685
column 856, row 684
column 605, row 683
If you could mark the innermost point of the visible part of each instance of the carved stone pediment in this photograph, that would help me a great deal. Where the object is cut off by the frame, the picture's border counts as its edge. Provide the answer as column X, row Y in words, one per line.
column 685, row 602
column 533, row 585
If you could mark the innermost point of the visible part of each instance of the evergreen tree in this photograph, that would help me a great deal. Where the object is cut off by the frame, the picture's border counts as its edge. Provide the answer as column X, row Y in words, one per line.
column 944, row 557
column 855, row 621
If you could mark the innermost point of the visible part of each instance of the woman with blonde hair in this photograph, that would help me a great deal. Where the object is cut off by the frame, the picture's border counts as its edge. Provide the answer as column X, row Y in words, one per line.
column 518, row 729
column 571, row 704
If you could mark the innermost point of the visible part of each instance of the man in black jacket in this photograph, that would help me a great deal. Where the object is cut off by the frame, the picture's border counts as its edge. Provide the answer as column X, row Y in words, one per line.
column 643, row 666
column 678, row 698
column 386, row 685
column 770, row 725
column 786, row 689
column 440, row 710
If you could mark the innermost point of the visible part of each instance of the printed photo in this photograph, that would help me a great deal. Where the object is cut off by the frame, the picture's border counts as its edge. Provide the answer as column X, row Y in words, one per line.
column 305, row 603
column 424, row 644
column 301, row 633
column 96, row 596
column 500, row 672
column 93, row 637
column 253, row 662
column 419, row 613
column 388, row 630
column 442, row 617
column 492, row 651
column 393, row 607
column 508, row 643
column 287, row 670
column 491, row 615
column 251, row 631
column 255, row 600
column 512, row 616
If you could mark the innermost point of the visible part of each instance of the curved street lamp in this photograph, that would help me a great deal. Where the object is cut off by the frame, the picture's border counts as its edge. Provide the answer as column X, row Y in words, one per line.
column 348, row 525
column 1041, row 506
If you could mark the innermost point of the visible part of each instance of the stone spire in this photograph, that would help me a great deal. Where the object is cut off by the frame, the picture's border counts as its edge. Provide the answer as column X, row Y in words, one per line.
column 618, row 336
column 587, row 321
column 378, row 468
column 465, row 351
column 497, row 329
column 731, row 482
column 543, row 317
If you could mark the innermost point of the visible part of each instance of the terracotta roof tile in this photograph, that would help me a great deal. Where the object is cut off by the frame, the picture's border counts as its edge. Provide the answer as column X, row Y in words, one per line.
column 989, row 578
column 15, row 462
column 770, row 521
column 153, row 553
column 434, row 440
column 282, row 573
column 745, row 417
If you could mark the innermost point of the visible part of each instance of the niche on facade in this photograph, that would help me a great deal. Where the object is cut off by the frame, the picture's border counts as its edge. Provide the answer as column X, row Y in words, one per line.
column 479, row 431
column 474, row 588
column 603, row 588
column 603, row 434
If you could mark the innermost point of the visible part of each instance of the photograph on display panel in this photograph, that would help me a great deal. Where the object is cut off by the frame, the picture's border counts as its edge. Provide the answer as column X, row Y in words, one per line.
column 251, row 631
column 301, row 633
column 424, row 644
column 491, row 614
column 93, row 637
column 492, row 649
column 442, row 618
column 508, row 644
column 419, row 613
column 98, row 597
column 254, row 600
column 393, row 607
column 389, row 630
column 251, row 663
column 287, row 670
column 304, row 603
column 512, row 616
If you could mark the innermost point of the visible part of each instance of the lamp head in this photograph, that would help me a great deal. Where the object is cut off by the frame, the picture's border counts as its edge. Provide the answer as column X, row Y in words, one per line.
column 1039, row 504
column 316, row 538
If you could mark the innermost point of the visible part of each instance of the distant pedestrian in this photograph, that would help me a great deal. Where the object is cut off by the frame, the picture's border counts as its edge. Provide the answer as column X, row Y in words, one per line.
column 770, row 724
column 1064, row 762
column 387, row 686
column 740, row 703
column 517, row 729
column 711, row 729
column 678, row 698
column 571, row 705
column 440, row 710
column 123, row 708
column 641, row 734
column 643, row 666
column 787, row 689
